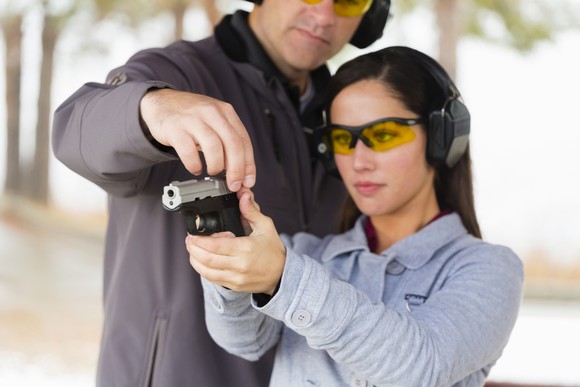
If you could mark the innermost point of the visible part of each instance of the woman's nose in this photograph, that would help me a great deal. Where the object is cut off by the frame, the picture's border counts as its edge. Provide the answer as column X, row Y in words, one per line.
column 362, row 156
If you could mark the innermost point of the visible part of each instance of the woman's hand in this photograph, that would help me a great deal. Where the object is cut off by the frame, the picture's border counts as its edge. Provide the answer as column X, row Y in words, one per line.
column 252, row 264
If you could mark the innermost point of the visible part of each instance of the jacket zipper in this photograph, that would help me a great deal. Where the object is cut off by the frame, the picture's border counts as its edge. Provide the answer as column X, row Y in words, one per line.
column 271, row 128
column 154, row 356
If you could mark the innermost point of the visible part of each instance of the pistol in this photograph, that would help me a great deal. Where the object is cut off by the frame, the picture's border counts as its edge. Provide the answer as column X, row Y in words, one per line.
column 208, row 205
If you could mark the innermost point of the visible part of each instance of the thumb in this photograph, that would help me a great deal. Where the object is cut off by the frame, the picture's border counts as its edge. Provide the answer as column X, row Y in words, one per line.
column 250, row 210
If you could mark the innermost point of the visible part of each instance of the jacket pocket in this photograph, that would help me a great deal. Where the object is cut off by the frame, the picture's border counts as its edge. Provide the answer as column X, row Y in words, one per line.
column 156, row 345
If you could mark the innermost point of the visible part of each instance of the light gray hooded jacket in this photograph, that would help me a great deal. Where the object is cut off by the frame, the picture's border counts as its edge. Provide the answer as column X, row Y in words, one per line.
column 435, row 309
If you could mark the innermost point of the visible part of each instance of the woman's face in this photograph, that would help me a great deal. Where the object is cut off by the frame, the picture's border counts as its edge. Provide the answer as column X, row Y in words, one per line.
column 398, row 181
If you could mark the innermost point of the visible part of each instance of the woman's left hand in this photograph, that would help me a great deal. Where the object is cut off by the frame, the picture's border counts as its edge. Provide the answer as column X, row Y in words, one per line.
column 252, row 264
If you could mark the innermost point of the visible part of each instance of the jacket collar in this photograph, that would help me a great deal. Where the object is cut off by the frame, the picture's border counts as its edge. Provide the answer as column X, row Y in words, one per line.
column 240, row 44
column 412, row 252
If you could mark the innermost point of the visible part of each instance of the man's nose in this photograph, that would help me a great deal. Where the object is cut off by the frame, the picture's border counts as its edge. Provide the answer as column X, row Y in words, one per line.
column 324, row 12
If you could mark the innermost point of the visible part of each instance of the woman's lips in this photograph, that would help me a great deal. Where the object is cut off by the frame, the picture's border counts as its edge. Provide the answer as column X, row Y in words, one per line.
column 367, row 188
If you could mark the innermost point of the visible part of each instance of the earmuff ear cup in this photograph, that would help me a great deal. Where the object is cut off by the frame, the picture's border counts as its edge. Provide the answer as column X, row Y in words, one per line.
column 372, row 24
column 449, row 125
column 448, row 133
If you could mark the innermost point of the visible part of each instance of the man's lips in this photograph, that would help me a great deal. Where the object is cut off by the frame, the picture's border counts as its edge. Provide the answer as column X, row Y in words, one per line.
column 312, row 36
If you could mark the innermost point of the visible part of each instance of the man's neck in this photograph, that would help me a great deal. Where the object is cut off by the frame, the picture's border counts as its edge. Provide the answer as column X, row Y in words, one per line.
column 295, row 77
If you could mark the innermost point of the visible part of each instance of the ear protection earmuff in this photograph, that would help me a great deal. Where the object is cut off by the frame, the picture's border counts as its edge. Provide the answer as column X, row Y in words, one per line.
column 448, row 128
column 371, row 26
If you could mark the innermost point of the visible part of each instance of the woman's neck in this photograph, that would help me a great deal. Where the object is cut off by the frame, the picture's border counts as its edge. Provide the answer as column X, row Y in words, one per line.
column 392, row 228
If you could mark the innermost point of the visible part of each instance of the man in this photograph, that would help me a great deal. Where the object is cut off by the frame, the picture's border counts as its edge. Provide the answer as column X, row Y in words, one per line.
column 241, row 101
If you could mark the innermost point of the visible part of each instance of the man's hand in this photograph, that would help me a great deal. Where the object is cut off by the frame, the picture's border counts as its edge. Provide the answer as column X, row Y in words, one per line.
column 190, row 123
column 252, row 264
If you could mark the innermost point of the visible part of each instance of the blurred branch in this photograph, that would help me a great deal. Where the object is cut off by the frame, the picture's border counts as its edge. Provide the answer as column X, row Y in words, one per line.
column 517, row 24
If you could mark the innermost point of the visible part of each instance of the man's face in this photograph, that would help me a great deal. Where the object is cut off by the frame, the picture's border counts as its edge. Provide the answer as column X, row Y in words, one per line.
column 300, row 37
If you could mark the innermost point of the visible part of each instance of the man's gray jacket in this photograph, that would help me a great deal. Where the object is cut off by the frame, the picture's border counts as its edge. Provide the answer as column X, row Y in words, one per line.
column 154, row 331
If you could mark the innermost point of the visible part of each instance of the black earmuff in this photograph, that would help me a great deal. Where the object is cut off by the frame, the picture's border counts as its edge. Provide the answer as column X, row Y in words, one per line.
column 448, row 133
column 449, row 126
column 371, row 26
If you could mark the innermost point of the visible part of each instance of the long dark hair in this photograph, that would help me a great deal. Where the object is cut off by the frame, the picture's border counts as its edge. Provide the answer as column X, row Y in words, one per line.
column 397, row 68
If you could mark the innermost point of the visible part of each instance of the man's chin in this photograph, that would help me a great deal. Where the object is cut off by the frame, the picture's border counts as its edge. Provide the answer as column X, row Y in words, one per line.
column 307, row 57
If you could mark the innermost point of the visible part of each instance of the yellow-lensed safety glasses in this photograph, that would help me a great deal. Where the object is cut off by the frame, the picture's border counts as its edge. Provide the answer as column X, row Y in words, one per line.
column 348, row 8
column 379, row 135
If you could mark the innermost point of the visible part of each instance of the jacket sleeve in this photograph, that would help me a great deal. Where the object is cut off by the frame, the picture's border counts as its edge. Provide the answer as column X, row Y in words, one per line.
column 461, row 329
column 97, row 134
column 235, row 325
column 97, row 131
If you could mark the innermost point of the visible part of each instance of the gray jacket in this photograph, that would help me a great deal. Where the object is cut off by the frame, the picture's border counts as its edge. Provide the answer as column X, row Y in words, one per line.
column 435, row 309
column 154, row 331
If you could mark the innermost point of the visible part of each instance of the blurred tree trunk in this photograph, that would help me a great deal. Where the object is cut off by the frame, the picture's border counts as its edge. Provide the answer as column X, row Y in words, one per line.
column 39, row 175
column 12, row 32
column 214, row 15
column 179, row 9
column 448, row 20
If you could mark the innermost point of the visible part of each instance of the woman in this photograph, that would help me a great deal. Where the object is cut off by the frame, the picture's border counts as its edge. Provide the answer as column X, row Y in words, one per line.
column 409, row 294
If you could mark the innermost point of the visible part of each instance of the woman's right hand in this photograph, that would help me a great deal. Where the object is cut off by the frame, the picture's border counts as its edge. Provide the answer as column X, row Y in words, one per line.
column 252, row 264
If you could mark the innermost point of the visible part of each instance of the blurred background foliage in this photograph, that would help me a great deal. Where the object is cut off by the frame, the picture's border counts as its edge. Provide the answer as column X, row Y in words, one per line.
column 500, row 21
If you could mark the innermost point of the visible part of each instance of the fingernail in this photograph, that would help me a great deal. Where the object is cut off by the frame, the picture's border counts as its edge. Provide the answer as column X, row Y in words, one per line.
column 249, row 181
column 235, row 186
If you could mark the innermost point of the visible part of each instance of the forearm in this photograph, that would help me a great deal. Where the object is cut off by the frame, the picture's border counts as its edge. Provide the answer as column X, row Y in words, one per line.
column 235, row 325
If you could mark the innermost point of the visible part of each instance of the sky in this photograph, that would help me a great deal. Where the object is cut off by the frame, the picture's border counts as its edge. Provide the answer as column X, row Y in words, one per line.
column 525, row 139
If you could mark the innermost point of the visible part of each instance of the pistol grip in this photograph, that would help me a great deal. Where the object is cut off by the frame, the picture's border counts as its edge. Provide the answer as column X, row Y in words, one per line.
column 232, row 221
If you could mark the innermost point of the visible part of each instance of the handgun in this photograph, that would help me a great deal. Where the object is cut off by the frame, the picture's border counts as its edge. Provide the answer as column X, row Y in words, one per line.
column 208, row 205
